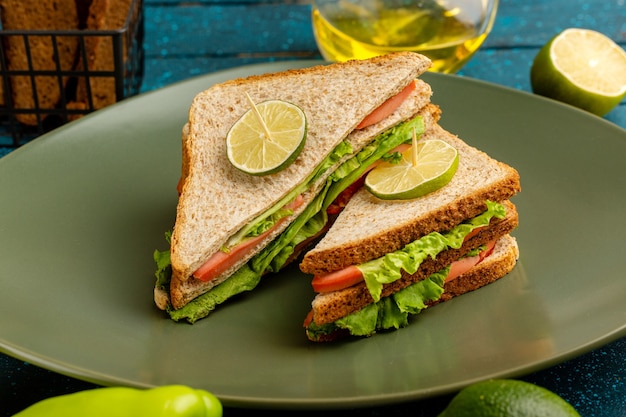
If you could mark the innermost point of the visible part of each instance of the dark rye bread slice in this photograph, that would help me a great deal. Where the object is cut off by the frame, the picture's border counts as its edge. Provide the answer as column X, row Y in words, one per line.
column 103, row 15
column 328, row 307
column 369, row 227
column 41, row 15
column 182, row 292
column 497, row 265
column 217, row 200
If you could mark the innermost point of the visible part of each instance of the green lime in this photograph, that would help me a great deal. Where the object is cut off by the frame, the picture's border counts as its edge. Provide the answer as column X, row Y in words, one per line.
column 583, row 68
column 507, row 398
column 267, row 138
column 430, row 167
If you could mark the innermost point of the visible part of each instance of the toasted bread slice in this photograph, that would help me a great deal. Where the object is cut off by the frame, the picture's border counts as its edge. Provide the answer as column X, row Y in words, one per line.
column 497, row 265
column 369, row 227
column 216, row 199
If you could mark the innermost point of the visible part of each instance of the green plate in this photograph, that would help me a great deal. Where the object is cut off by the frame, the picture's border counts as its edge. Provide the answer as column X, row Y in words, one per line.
column 83, row 208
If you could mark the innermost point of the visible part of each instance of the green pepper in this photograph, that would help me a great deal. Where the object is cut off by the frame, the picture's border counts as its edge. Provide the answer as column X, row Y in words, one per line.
column 165, row 401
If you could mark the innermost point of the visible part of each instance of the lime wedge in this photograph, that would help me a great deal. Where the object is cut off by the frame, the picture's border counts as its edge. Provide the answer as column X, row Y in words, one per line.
column 431, row 167
column 267, row 138
column 583, row 68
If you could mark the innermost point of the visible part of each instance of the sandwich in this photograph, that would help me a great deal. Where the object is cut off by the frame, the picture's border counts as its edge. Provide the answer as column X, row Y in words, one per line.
column 386, row 260
column 357, row 113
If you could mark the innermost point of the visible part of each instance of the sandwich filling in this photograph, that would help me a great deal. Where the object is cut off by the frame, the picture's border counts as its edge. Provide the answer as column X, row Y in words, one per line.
column 393, row 311
column 388, row 268
column 309, row 223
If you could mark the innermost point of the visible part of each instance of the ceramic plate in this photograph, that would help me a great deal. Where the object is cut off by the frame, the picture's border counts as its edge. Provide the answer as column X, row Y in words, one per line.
column 83, row 208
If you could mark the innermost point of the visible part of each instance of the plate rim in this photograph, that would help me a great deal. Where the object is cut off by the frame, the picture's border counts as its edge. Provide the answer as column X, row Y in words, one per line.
column 87, row 375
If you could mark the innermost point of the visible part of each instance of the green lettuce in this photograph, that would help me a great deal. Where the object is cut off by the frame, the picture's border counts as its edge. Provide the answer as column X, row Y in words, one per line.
column 164, row 265
column 272, row 216
column 389, row 312
column 244, row 279
column 389, row 268
column 392, row 312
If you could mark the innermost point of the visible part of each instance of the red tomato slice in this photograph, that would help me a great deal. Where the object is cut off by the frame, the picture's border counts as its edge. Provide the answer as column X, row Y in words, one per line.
column 342, row 199
column 460, row 267
column 387, row 107
column 179, row 186
column 308, row 319
column 474, row 233
column 337, row 280
column 220, row 261
column 351, row 275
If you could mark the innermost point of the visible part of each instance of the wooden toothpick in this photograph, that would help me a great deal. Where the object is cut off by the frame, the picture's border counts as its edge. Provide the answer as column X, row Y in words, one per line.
column 414, row 148
column 256, row 112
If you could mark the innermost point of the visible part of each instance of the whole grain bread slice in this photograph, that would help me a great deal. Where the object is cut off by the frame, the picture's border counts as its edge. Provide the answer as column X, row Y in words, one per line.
column 216, row 199
column 369, row 227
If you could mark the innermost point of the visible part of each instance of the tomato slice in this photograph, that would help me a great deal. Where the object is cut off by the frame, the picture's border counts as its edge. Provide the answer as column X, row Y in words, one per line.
column 474, row 233
column 221, row 261
column 461, row 266
column 342, row 199
column 347, row 277
column 308, row 319
column 337, row 280
column 387, row 107
column 179, row 186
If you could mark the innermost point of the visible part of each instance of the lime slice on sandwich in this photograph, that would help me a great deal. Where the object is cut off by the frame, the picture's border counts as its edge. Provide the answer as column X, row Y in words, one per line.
column 424, row 168
column 267, row 138
column 583, row 68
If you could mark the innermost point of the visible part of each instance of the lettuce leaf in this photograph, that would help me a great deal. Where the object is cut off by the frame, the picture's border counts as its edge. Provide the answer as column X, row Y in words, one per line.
column 389, row 312
column 244, row 279
column 270, row 217
column 388, row 268
column 163, row 262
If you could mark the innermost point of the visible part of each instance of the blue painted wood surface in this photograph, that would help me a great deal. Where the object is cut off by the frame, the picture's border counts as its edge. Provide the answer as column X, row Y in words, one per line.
column 189, row 38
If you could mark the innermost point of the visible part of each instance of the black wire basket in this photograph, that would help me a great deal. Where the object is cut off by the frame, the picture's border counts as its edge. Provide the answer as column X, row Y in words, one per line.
column 37, row 98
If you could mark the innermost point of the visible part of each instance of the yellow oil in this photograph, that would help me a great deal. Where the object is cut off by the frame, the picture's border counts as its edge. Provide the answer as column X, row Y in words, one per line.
column 350, row 31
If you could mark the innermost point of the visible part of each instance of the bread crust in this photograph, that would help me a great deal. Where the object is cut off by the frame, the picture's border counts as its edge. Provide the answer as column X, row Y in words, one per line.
column 328, row 307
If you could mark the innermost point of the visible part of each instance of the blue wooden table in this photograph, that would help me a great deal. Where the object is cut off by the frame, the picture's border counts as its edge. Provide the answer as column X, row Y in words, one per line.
column 185, row 39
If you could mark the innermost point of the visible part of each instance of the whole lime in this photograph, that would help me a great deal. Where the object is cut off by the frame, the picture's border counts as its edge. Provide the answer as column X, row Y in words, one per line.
column 507, row 398
column 583, row 68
